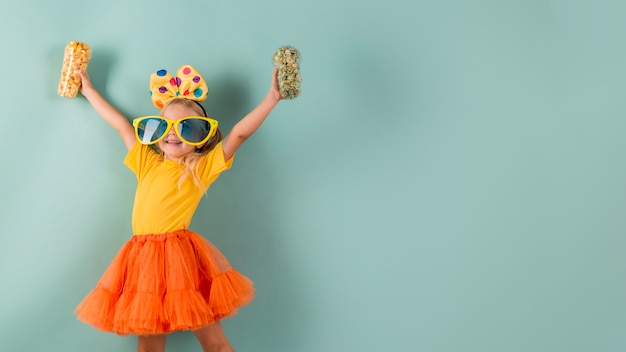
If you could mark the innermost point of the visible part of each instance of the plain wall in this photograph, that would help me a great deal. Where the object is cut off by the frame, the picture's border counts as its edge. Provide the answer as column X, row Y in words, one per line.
column 452, row 178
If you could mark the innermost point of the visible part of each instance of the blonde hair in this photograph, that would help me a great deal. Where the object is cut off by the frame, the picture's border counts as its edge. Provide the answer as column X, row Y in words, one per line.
column 190, row 160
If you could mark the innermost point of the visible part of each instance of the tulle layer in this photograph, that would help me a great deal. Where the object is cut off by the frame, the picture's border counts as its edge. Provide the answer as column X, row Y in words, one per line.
column 163, row 283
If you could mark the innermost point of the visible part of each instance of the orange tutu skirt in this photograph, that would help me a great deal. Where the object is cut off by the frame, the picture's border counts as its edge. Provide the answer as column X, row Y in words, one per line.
column 163, row 283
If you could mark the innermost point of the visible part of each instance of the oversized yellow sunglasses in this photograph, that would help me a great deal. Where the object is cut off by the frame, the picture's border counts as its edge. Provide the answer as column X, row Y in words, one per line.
column 192, row 130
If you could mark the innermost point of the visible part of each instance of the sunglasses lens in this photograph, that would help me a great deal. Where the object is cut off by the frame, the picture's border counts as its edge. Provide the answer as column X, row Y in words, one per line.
column 151, row 129
column 194, row 130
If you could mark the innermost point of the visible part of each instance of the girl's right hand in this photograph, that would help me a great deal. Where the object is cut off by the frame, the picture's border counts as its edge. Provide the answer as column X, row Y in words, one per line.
column 86, row 85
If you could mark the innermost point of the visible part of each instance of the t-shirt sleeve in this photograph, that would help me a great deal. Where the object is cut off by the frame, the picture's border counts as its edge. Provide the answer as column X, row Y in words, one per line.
column 214, row 164
column 138, row 157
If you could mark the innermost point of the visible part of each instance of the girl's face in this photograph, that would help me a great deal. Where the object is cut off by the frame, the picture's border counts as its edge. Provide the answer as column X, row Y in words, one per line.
column 171, row 146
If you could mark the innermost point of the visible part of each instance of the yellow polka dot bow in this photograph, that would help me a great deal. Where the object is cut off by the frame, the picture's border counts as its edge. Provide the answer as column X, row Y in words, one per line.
column 188, row 83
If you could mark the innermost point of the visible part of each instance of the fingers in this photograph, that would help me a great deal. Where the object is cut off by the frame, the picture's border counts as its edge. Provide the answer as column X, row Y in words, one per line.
column 85, row 82
column 274, row 88
column 83, row 74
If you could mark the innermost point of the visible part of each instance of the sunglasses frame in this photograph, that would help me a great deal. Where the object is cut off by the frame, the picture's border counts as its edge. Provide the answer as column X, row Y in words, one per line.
column 212, row 122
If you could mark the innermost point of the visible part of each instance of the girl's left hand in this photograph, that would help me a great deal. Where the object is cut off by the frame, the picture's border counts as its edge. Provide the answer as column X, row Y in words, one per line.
column 274, row 90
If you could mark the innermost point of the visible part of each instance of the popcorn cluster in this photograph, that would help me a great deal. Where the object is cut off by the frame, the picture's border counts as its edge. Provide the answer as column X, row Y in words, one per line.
column 287, row 60
column 76, row 58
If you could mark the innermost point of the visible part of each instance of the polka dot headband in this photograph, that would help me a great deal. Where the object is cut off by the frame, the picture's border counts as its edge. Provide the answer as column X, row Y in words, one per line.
column 188, row 83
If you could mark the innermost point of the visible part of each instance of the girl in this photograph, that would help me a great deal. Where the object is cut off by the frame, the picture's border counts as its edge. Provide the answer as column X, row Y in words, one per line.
column 167, row 278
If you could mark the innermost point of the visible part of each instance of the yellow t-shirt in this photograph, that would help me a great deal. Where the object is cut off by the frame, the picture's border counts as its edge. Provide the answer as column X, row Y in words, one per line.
column 162, row 206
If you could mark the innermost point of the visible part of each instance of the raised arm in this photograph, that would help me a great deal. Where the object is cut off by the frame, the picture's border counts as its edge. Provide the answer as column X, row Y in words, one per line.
column 251, row 122
column 108, row 112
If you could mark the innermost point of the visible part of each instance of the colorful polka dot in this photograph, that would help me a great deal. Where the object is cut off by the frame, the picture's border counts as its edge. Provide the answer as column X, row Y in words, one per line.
column 165, row 86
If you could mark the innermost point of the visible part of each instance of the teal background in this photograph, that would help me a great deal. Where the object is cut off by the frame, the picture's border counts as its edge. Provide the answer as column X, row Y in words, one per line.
column 451, row 178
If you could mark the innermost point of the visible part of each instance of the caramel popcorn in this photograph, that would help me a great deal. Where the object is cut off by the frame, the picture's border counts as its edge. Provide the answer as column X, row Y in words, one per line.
column 76, row 58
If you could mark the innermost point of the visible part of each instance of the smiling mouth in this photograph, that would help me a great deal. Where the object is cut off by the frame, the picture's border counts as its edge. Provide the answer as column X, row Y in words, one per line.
column 172, row 141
